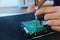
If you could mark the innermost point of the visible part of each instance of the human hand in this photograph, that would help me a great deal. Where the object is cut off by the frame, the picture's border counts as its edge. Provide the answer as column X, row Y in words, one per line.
column 52, row 15
column 40, row 3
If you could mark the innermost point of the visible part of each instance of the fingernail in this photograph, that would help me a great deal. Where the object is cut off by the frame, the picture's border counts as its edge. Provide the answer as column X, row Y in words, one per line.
column 44, row 23
column 52, row 27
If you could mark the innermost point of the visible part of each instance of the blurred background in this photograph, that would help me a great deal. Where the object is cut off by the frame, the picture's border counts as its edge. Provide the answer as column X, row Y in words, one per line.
column 24, row 6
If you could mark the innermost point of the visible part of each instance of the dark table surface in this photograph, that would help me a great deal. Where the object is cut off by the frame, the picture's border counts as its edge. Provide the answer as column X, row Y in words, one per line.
column 10, row 29
column 55, row 36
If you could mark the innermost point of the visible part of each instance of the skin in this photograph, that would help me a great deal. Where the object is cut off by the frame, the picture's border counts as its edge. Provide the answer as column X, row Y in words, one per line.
column 52, row 15
column 40, row 3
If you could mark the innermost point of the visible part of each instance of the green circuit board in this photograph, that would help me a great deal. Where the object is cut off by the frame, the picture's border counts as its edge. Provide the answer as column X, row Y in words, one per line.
column 33, row 26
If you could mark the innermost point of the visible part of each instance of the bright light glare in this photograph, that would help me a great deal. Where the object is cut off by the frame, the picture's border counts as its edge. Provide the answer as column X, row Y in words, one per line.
column 9, row 14
column 9, row 3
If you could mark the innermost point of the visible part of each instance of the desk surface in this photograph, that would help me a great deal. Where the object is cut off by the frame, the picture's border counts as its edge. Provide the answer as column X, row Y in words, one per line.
column 55, row 36
column 8, row 31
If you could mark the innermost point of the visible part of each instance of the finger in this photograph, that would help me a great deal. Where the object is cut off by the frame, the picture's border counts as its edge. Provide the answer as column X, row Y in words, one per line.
column 54, row 22
column 46, row 10
column 56, row 28
column 52, row 16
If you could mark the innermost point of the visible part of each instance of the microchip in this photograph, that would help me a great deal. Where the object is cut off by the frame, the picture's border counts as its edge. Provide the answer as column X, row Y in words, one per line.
column 33, row 26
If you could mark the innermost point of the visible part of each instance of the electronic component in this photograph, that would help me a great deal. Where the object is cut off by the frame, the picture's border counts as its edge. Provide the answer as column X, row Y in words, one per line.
column 35, row 26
